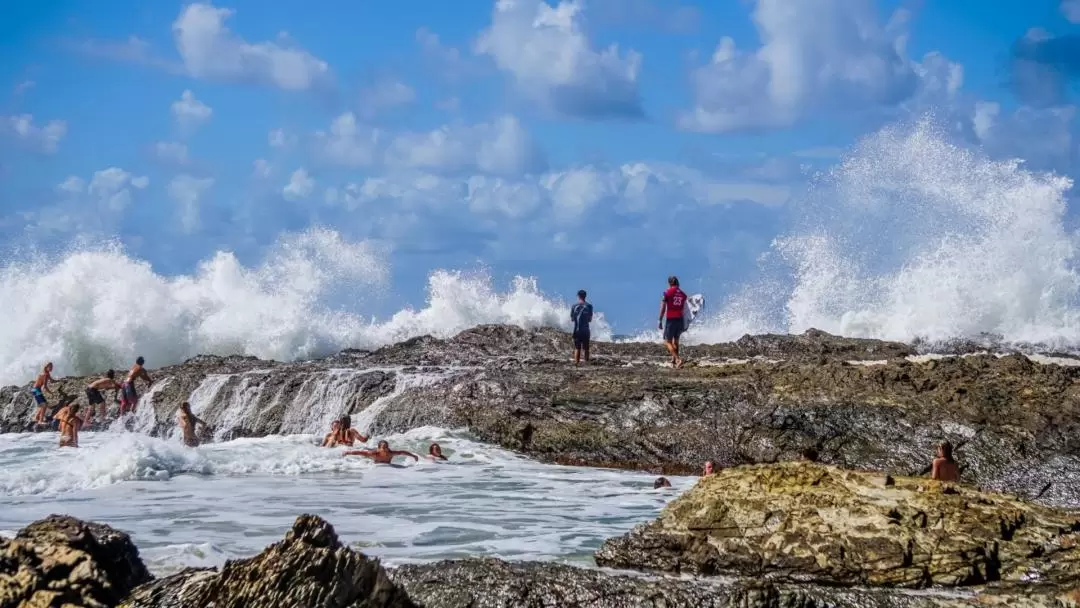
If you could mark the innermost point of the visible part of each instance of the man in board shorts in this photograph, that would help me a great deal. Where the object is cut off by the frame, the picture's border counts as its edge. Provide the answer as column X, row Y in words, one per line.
column 129, row 397
column 581, row 315
column 671, row 318
column 95, row 398
column 41, row 385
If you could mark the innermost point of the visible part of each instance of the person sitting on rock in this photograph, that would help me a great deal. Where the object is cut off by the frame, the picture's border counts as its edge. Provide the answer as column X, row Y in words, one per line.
column 710, row 468
column 331, row 438
column 346, row 435
column 70, row 423
column 435, row 452
column 661, row 482
column 944, row 467
column 382, row 454
column 187, row 421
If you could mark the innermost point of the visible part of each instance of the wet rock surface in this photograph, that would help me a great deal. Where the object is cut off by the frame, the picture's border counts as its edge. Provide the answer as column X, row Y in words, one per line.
column 858, row 403
column 62, row 561
column 309, row 568
column 804, row 522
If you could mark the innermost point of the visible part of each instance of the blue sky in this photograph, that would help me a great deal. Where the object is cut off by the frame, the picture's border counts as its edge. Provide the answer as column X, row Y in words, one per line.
column 603, row 144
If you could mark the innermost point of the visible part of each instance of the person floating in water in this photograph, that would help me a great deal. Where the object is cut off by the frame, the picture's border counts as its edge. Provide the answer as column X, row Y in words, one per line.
column 187, row 421
column 435, row 452
column 661, row 482
column 710, row 468
column 331, row 438
column 129, row 397
column 94, row 397
column 581, row 315
column 671, row 318
column 944, row 467
column 382, row 454
column 70, row 423
column 346, row 435
column 41, row 386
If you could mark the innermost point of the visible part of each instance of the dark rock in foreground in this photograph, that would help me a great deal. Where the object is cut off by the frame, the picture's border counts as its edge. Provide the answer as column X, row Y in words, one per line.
column 62, row 561
column 310, row 568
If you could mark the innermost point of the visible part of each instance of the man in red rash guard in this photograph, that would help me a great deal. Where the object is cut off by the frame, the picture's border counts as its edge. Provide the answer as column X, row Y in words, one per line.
column 671, row 318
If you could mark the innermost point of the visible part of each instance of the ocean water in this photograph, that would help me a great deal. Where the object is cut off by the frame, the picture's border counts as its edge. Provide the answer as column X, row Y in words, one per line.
column 201, row 506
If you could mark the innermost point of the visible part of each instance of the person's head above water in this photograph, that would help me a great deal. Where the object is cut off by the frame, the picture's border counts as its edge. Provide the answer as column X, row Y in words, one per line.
column 139, row 360
column 709, row 467
column 185, row 407
column 335, row 425
column 661, row 482
column 944, row 450
column 435, row 449
column 581, row 294
column 673, row 281
column 345, row 421
column 383, row 445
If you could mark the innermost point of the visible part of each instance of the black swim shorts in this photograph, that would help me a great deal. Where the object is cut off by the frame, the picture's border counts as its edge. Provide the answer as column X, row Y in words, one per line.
column 673, row 328
column 581, row 339
column 93, row 396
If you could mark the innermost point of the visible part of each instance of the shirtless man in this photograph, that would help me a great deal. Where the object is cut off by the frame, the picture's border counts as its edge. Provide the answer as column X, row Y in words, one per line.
column 331, row 438
column 129, row 397
column 41, row 386
column 346, row 435
column 187, row 422
column 382, row 454
column 435, row 453
column 70, row 423
column 94, row 397
column 944, row 467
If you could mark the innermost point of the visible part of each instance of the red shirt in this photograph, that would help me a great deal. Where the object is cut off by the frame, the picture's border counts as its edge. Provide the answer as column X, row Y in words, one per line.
column 675, row 300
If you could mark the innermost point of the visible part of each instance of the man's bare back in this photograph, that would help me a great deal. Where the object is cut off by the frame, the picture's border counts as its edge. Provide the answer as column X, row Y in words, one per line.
column 187, row 421
column 70, row 424
column 382, row 454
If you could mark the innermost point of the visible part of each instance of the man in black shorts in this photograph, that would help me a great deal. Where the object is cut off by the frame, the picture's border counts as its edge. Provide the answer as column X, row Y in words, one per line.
column 94, row 398
column 671, row 318
column 581, row 315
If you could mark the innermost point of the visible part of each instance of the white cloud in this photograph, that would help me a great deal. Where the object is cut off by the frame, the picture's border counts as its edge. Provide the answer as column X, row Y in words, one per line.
column 1071, row 10
column 385, row 94
column 187, row 191
column 501, row 147
column 1043, row 137
column 261, row 168
column 189, row 111
column 547, row 52
column 278, row 138
column 300, row 186
column 210, row 50
column 24, row 86
column 46, row 138
column 112, row 188
column 449, row 63
column 171, row 152
column 347, row 143
column 73, row 185
column 818, row 54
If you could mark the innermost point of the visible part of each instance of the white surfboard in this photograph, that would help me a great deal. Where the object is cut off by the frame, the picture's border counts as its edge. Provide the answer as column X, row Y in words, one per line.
column 694, row 305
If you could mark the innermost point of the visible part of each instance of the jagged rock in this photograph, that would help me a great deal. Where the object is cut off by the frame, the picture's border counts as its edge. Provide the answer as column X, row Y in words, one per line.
column 309, row 568
column 493, row 583
column 812, row 523
column 62, row 561
column 1014, row 422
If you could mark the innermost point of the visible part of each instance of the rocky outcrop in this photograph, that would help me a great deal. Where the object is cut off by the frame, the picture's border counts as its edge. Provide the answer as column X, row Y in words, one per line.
column 61, row 561
column 761, row 399
column 309, row 568
column 804, row 522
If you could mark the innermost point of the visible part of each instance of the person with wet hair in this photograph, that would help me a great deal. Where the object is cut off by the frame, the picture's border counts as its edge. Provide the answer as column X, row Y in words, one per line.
column 187, row 421
column 944, row 467
column 129, row 396
column 346, row 434
column 331, row 438
column 41, row 386
column 435, row 453
column 70, row 423
column 661, row 482
column 382, row 454
column 710, row 468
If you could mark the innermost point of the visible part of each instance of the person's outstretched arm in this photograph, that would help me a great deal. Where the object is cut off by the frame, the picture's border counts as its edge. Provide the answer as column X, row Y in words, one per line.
column 368, row 453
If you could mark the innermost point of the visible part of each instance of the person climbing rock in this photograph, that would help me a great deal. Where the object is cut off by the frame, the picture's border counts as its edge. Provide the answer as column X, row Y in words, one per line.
column 94, row 397
column 129, row 396
column 187, row 421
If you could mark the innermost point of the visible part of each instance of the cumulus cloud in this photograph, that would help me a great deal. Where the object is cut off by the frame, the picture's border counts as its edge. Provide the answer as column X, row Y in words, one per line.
column 189, row 111
column 502, row 146
column 261, row 168
column 347, row 143
column 210, row 50
column 1071, row 10
column 1043, row 137
column 386, row 93
column 43, row 138
column 112, row 188
column 187, row 191
column 448, row 62
column 549, row 56
column 300, row 186
column 171, row 152
column 816, row 55
column 73, row 185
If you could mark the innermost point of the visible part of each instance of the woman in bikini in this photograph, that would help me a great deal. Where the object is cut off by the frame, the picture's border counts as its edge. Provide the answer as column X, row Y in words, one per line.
column 70, row 423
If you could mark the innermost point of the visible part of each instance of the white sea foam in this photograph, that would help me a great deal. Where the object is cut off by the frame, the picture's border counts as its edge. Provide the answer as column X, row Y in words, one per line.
column 912, row 237
column 306, row 299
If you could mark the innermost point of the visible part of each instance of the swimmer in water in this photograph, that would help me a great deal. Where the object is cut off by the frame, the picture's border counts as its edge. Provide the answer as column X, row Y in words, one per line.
column 382, row 454
column 944, row 467
column 710, row 468
column 346, row 435
column 435, row 453
column 187, row 422
column 94, row 397
column 661, row 482
column 41, row 386
column 331, row 438
column 129, row 397
column 70, row 423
